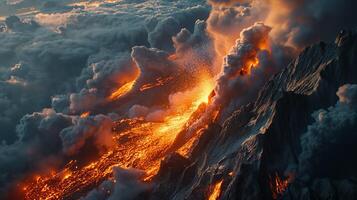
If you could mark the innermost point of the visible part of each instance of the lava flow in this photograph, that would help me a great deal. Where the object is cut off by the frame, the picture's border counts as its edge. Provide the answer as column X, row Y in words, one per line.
column 159, row 82
column 278, row 185
column 122, row 90
column 141, row 144
column 215, row 191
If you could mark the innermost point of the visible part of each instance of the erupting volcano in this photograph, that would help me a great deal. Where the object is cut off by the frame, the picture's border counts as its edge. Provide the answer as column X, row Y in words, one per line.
column 178, row 100
column 143, row 141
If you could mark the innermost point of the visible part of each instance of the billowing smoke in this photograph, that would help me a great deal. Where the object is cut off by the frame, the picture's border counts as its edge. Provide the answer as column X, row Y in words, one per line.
column 98, row 128
column 70, row 60
column 39, row 145
column 242, row 59
column 126, row 186
column 331, row 136
column 292, row 26
column 301, row 23
column 60, row 66
column 295, row 24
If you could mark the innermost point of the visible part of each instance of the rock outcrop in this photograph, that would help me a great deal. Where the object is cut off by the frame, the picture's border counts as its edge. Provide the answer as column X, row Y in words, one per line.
column 257, row 152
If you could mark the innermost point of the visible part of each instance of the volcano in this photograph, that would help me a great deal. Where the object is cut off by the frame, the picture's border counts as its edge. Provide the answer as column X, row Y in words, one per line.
column 257, row 151
column 178, row 100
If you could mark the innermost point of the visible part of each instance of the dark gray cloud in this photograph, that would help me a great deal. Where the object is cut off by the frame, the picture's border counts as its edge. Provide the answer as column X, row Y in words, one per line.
column 70, row 62
column 128, row 185
column 295, row 23
column 77, row 56
column 69, row 59
column 199, row 40
column 39, row 145
column 328, row 146
column 96, row 128
column 15, row 24
column 246, row 67
column 161, row 36
column 310, row 21
column 101, row 193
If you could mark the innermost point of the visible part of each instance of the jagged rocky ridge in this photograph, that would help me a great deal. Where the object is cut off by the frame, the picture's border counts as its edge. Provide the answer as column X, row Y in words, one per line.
column 262, row 140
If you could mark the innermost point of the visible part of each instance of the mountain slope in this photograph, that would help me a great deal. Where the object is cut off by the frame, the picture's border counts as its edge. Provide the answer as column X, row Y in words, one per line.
column 259, row 151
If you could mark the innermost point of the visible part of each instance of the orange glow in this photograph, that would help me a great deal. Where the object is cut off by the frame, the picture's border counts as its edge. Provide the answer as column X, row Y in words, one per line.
column 249, row 65
column 186, row 149
column 92, row 4
column 85, row 114
column 159, row 82
column 279, row 185
column 122, row 91
column 216, row 191
column 141, row 145
column 67, row 175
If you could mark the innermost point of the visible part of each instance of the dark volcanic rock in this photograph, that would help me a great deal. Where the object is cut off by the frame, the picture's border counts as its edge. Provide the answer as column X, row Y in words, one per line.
column 261, row 142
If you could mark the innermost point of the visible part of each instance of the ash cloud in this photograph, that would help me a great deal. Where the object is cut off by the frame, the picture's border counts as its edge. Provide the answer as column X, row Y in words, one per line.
column 69, row 59
column 328, row 145
column 295, row 24
column 306, row 22
column 71, row 66
column 98, row 128
column 126, row 186
column 52, row 60
column 246, row 68
column 39, row 145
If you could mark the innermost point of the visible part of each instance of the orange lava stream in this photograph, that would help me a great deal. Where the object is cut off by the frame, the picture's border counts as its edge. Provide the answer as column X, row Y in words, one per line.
column 140, row 144
column 159, row 82
column 216, row 191
column 123, row 90
column 85, row 114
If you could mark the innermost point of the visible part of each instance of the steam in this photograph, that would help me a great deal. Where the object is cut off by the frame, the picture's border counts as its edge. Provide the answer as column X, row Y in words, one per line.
column 331, row 136
column 242, row 59
column 62, row 63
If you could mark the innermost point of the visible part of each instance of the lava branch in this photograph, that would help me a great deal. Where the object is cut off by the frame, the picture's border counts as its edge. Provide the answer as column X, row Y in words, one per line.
column 215, row 191
column 122, row 91
column 158, row 82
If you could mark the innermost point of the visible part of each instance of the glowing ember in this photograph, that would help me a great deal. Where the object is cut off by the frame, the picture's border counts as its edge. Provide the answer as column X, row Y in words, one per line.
column 186, row 149
column 215, row 191
column 123, row 90
column 159, row 82
column 278, row 185
column 85, row 114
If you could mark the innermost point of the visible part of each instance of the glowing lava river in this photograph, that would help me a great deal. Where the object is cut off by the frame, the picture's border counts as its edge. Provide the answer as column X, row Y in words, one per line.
column 139, row 144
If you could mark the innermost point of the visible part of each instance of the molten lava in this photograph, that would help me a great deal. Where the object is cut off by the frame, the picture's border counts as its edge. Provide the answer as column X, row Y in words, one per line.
column 123, row 90
column 140, row 144
column 215, row 191
column 279, row 185
column 85, row 114
column 159, row 82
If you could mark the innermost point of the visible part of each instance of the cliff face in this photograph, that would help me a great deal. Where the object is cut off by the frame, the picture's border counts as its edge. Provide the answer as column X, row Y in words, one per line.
column 259, row 152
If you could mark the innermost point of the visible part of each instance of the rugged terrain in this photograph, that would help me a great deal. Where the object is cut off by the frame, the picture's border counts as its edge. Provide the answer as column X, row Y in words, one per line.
column 259, row 152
